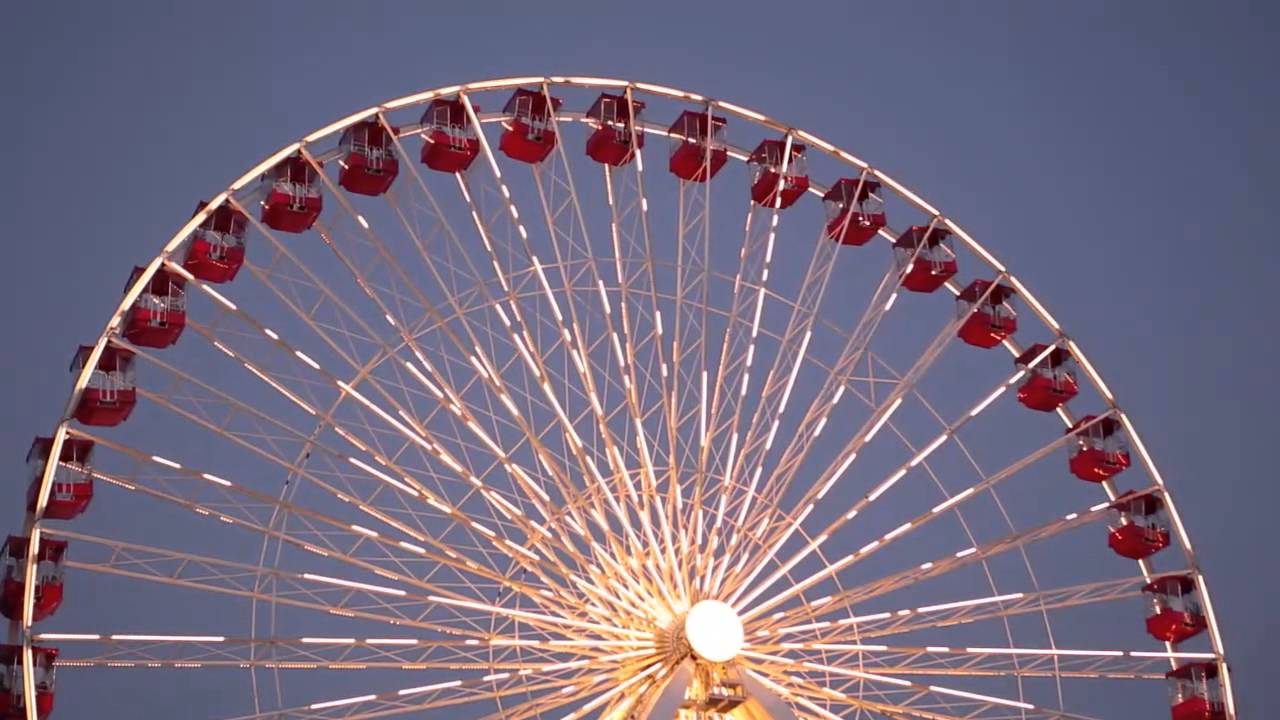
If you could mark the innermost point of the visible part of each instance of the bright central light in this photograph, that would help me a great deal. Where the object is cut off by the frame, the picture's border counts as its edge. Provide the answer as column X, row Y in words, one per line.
column 713, row 631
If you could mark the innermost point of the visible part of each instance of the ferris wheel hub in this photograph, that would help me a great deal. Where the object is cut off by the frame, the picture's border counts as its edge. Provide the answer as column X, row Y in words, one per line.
column 714, row 631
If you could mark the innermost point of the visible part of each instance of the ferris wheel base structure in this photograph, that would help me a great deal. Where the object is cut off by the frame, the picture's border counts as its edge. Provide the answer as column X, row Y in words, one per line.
column 477, row 406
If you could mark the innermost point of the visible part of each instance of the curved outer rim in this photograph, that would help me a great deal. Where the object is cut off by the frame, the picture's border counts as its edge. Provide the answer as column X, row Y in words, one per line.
column 34, row 519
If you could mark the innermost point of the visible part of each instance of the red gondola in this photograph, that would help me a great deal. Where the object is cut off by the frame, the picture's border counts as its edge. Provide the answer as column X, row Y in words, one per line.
column 989, row 316
column 293, row 199
column 1051, row 382
column 770, row 182
column 369, row 164
column 450, row 143
column 48, row 593
column 110, row 395
column 697, row 149
column 72, row 489
column 12, row 700
column 855, row 212
column 1143, row 529
column 216, row 249
column 1100, row 451
column 614, row 118
column 159, row 314
column 1173, row 609
column 530, row 133
column 933, row 265
column 1195, row 693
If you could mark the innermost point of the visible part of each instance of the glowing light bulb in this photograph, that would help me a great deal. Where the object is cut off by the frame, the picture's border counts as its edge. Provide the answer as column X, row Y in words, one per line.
column 714, row 631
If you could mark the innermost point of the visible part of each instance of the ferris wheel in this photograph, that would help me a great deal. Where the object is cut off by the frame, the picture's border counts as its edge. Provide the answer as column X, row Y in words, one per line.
column 519, row 399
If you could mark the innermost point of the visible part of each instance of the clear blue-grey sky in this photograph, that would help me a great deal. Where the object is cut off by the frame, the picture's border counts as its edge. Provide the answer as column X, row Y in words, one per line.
column 1120, row 156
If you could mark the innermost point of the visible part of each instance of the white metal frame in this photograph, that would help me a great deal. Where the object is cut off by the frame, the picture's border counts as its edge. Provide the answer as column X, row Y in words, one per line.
column 543, row 556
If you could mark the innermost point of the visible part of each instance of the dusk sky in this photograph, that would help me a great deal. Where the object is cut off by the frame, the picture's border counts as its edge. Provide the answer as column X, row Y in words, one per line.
column 1120, row 157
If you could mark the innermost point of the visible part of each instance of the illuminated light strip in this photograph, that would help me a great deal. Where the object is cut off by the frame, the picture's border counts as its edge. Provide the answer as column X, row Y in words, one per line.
column 1088, row 367
column 952, row 501
column 383, row 414
column 663, row 90
column 280, row 388
column 967, row 552
column 604, row 296
column 595, row 81
column 815, row 141
column 546, row 287
column 1027, row 296
column 365, row 531
column 216, row 479
column 429, row 688
column 307, row 359
column 983, row 698
column 505, row 82
column 883, row 419
column 919, row 458
column 423, row 379
column 886, row 485
column 382, row 476
column 340, row 124
column 219, row 297
column 977, row 410
column 741, row 111
column 967, row 603
column 339, row 703
column 171, row 638
column 413, row 548
column 391, row 641
column 166, row 461
column 1174, row 655
column 356, row 585
column 897, row 531
column 327, row 641
column 864, row 618
column 68, row 636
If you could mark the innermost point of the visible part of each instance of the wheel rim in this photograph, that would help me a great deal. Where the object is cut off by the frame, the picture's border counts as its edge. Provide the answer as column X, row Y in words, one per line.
column 618, row 300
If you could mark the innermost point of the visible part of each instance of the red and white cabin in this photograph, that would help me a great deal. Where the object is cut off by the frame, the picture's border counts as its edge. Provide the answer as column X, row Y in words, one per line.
column 72, row 489
column 1174, row 614
column 12, row 700
column 369, row 164
column 1100, row 451
column 216, row 249
column 933, row 266
column 1195, row 693
column 1051, row 382
column 48, row 594
column 293, row 199
column 449, row 142
column 855, row 212
column 530, row 133
column 617, row 133
column 697, row 148
column 988, row 313
column 110, row 394
column 159, row 314
column 1143, row 528
column 772, row 183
